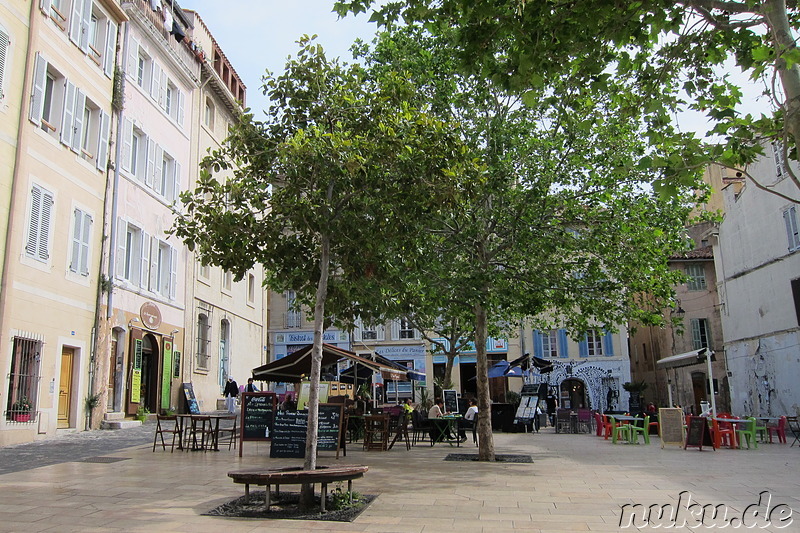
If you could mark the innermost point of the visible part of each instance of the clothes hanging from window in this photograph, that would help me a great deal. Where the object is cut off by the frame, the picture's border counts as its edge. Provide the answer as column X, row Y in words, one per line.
column 177, row 31
column 168, row 21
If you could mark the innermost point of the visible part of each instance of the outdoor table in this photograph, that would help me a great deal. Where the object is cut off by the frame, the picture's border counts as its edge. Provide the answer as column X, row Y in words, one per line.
column 630, row 420
column 443, row 426
column 208, row 429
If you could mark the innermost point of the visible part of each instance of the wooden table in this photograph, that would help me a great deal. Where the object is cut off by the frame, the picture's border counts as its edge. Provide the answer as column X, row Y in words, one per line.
column 206, row 425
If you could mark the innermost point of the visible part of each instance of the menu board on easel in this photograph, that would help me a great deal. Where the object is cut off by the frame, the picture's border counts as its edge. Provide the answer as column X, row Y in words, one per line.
column 258, row 417
column 289, row 435
column 670, row 426
column 698, row 434
column 191, row 401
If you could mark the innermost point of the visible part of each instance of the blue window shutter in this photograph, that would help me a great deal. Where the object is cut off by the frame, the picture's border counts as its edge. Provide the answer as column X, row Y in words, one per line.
column 563, row 344
column 608, row 344
column 583, row 347
column 537, row 343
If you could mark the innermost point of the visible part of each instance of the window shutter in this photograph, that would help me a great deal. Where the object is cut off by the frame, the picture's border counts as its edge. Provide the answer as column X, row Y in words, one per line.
column 35, row 220
column 583, row 346
column 697, row 341
column 155, row 80
column 538, row 350
column 151, row 162
column 102, row 141
column 381, row 332
column 608, row 344
column 173, row 272
column 133, row 59
column 158, row 170
column 127, row 145
column 122, row 238
column 563, row 343
column 111, row 49
column 37, row 98
column 76, row 21
column 176, row 188
column 77, row 232
column 85, row 238
column 144, row 271
column 77, row 121
column 44, row 5
column 68, row 118
column 44, row 230
column 162, row 90
column 790, row 219
column 4, row 42
column 156, row 268
column 86, row 22
column 395, row 330
column 180, row 106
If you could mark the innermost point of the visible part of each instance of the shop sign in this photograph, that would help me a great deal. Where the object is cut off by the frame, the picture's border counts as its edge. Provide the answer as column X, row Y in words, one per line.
column 151, row 315
column 136, row 386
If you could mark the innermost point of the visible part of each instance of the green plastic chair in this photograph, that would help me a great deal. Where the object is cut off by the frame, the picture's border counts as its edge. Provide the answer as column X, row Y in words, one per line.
column 645, row 431
column 761, row 431
column 619, row 431
column 748, row 432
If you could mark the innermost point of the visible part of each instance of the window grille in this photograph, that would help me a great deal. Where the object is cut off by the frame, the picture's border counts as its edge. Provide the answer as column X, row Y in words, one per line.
column 23, row 381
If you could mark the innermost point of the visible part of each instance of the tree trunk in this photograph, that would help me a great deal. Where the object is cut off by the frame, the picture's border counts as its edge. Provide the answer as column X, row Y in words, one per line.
column 307, row 490
column 485, row 439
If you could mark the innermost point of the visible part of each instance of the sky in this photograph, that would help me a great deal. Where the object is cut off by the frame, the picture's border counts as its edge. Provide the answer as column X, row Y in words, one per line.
column 257, row 35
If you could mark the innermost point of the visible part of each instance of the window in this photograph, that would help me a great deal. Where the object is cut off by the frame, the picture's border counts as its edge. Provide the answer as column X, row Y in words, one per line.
column 167, row 178
column 5, row 44
column 92, row 31
column 224, row 353
column 81, row 234
column 251, row 288
column 594, row 343
column 205, row 271
column 141, row 66
column 48, row 97
column 164, row 271
column 173, row 102
column 227, row 280
column 369, row 331
column 208, row 117
column 697, row 277
column 790, row 218
column 550, row 343
column 203, row 340
column 23, row 380
column 135, row 152
column 293, row 317
column 402, row 329
column 133, row 254
column 57, row 10
column 37, row 245
column 777, row 152
column 701, row 333
column 92, row 133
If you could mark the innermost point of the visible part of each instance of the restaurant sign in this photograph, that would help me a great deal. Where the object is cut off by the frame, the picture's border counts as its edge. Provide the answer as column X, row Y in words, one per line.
column 151, row 315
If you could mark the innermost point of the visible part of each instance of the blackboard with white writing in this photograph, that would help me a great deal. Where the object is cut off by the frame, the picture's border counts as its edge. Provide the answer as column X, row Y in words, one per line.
column 289, row 432
column 698, row 434
column 258, row 413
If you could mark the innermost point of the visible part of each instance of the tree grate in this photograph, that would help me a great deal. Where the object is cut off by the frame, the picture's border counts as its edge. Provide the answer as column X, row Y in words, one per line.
column 498, row 458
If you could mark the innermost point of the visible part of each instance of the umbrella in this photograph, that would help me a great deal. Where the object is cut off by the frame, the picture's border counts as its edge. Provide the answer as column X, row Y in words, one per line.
column 499, row 369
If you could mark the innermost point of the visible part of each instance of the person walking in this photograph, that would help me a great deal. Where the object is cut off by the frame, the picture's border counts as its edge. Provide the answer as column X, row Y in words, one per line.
column 230, row 393
column 250, row 387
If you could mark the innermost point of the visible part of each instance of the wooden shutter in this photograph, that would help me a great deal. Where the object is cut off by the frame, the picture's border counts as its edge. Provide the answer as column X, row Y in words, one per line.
column 144, row 272
column 76, row 21
column 180, row 105
column 583, row 346
column 608, row 344
column 155, row 80
column 162, row 90
column 127, row 145
column 77, row 232
column 790, row 219
column 152, row 148
column 86, row 22
column 563, row 343
column 133, row 59
column 102, row 141
column 39, row 81
column 111, row 49
column 173, row 272
column 85, row 238
column 34, row 221
column 68, row 118
column 4, row 43
column 77, row 121
column 121, row 248
column 44, row 227
column 538, row 351
column 176, row 188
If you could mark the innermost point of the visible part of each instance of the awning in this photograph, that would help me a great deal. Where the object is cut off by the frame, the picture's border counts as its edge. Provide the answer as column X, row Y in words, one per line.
column 693, row 357
column 296, row 365
column 542, row 365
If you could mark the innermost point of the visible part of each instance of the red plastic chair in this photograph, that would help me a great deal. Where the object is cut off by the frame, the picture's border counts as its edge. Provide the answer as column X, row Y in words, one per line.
column 779, row 430
column 725, row 432
column 606, row 427
column 598, row 422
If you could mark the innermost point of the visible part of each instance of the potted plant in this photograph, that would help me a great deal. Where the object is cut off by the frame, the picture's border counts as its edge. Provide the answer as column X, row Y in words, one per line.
column 21, row 410
column 142, row 413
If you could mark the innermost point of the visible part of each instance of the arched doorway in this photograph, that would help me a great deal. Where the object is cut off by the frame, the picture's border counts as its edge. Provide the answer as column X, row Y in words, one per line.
column 573, row 394
column 150, row 365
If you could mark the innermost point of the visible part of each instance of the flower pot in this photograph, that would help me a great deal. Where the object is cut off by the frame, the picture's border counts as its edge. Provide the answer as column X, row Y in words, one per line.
column 21, row 417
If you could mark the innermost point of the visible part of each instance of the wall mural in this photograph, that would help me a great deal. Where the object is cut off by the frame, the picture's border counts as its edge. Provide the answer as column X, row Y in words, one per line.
column 602, row 387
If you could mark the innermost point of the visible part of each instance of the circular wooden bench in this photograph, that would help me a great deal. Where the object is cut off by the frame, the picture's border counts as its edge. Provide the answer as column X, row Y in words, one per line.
column 297, row 476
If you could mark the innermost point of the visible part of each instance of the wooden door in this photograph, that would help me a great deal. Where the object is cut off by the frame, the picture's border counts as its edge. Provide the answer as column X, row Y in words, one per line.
column 65, row 388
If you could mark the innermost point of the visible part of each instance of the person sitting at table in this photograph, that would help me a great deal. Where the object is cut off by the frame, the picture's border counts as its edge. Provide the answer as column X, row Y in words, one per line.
column 437, row 411
column 407, row 407
column 289, row 404
column 468, row 422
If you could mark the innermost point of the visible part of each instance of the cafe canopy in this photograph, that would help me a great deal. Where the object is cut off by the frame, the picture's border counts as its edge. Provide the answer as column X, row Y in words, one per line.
column 297, row 365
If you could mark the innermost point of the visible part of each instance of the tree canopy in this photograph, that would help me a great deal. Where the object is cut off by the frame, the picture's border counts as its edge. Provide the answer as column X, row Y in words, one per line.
column 673, row 55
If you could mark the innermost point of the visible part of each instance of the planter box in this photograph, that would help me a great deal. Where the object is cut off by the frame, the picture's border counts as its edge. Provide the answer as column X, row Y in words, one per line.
column 21, row 417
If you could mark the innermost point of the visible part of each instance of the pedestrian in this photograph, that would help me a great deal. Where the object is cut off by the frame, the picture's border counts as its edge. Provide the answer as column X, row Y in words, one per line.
column 250, row 387
column 230, row 393
column 552, row 405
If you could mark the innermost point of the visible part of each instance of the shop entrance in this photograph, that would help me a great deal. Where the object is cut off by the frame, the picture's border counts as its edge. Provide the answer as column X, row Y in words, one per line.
column 143, row 371
column 573, row 394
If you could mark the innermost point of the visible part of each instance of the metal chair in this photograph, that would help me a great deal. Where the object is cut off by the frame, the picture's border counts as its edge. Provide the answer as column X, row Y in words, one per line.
column 420, row 427
column 794, row 426
column 563, row 423
column 176, row 431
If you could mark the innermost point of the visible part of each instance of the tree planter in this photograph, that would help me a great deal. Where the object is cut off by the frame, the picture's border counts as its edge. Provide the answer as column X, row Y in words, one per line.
column 21, row 417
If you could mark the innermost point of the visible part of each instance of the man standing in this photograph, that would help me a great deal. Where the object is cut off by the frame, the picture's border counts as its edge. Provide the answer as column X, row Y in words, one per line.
column 250, row 387
column 230, row 394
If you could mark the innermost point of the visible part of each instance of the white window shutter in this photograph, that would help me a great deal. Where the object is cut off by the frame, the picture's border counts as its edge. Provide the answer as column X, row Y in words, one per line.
column 155, row 266
column 37, row 98
column 173, row 273
column 127, row 145
column 44, row 232
column 181, row 103
column 68, row 118
column 77, row 232
column 176, row 188
column 76, row 21
column 792, row 231
column 34, row 220
column 151, row 162
column 155, row 80
column 162, row 90
column 144, row 272
column 158, row 170
column 395, row 330
column 122, row 241
column 77, row 121
column 85, row 239
column 102, row 141
column 4, row 44
column 44, row 5
column 111, row 49
column 86, row 22
column 133, row 59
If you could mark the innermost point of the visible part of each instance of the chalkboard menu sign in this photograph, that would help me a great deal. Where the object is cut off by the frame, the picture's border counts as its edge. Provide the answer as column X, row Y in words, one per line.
column 191, row 401
column 450, row 400
column 670, row 426
column 289, row 435
column 258, row 412
column 698, row 434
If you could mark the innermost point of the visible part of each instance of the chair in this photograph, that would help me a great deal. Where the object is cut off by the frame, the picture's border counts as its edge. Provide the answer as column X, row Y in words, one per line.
column 794, row 426
column 619, row 430
column 779, row 430
column 725, row 432
column 748, row 431
column 607, row 426
column 653, row 424
column 228, row 434
column 176, row 431
column 200, row 433
column 585, row 420
column 761, row 431
column 644, row 429
column 563, row 421
column 420, row 427
column 376, row 432
column 598, row 424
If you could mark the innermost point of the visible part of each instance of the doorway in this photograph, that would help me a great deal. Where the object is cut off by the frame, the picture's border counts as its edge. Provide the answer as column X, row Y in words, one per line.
column 699, row 390
column 65, row 388
column 573, row 394
column 150, row 367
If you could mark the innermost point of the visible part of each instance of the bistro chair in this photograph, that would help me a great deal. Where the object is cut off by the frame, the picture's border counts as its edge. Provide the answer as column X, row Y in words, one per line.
column 420, row 427
column 748, row 431
column 779, row 430
column 228, row 433
column 585, row 420
column 794, row 426
column 725, row 433
column 176, row 431
column 644, row 429
column 376, row 432
column 608, row 426
column 563, row 424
